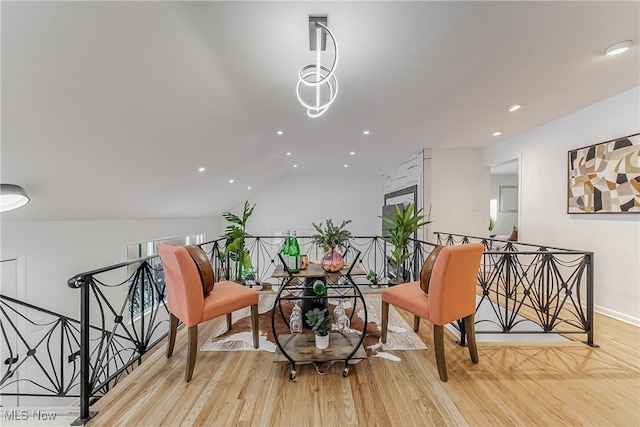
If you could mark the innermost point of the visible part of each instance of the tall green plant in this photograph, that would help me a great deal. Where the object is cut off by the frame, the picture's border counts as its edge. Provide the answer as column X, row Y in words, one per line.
column 235, row 234
column 400, row 228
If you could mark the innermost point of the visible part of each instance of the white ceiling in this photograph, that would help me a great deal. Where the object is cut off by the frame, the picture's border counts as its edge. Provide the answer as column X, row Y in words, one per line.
column 109, row 108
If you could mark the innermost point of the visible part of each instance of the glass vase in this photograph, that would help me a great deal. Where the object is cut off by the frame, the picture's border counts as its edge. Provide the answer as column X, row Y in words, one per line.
column 295, row 321
column 342, row 320
column 332, row 261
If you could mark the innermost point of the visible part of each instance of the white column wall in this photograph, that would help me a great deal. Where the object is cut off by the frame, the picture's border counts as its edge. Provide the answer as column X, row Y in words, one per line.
column 614, row 238
column 460, row 196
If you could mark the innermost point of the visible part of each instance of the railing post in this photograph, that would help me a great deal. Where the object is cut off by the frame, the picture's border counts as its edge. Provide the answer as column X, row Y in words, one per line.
column 590, row 309
column 85, row 374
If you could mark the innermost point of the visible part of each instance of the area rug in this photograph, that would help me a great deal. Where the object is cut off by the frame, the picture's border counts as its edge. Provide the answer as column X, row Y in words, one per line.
column 400, row 335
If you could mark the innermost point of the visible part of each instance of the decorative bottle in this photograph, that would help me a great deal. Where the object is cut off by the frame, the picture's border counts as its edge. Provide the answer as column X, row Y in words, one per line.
column 294, row 253
column 286, row 248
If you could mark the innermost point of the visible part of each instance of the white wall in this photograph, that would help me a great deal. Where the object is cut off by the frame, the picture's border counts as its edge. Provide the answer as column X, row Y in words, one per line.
column 614, row 238
column 504, row 220
column 54, row 251
column 460, row 194
column 299, row 200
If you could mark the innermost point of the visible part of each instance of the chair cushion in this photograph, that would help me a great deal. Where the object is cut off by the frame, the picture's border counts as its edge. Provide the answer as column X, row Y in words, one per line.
column 425, row 272
column 227, row 297
column 204, row 267
column 408, row 296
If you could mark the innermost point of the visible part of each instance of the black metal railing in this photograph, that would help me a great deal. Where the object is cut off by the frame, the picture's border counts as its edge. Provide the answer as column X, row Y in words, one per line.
column 40, row 349
column 120, row 318
column 264, row 257
column 123, row 309
column 532, row 288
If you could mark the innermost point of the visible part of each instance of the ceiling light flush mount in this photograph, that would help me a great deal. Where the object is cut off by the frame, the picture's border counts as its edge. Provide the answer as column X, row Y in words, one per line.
column 12, row 197
column 317, row 76
column 497, row 133
column 279, row 132
column 366, row 132
column 513, row 107
column 618, row 48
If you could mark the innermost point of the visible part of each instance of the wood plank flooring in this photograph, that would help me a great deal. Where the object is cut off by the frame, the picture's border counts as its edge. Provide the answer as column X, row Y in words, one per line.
column 519, row 384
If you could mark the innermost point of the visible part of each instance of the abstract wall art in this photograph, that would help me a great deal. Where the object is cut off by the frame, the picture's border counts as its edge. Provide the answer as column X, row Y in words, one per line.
column 605, row 177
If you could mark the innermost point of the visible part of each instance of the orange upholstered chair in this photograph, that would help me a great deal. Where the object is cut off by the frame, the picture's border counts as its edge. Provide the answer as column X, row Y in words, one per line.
column 186, row 300
column 452, row 296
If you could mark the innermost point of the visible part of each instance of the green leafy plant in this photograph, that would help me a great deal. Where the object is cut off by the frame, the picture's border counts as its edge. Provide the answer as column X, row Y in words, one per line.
column 372, row 276
column 331, row 236
column 319, row 320
column 235, row 233
column 492, row 224
column 401, row 227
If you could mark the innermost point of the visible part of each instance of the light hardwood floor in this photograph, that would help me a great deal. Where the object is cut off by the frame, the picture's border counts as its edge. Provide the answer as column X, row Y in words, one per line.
column 514, row 384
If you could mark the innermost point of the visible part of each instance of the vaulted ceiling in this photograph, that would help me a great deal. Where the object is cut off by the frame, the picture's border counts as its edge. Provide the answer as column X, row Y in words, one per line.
column 110, row 108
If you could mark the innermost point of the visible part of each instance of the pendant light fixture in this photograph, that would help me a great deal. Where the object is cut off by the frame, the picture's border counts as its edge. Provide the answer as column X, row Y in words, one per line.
column 319, row 78
column 12, row 197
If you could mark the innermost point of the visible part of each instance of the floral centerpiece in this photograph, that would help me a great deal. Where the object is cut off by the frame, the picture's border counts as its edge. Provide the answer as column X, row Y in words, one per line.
column 331, row 237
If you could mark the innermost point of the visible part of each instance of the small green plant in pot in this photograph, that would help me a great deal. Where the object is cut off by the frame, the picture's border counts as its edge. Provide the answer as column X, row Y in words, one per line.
column 320, row 321
column 401, row 228
column 372, row 276
column 235, row 233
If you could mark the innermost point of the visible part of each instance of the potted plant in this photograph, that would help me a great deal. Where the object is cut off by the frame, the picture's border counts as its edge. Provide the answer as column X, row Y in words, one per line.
column 492, row 224
column 372, row 276
column 401, row 228
column 235, row 234
column 320, row 321
column 331, row 237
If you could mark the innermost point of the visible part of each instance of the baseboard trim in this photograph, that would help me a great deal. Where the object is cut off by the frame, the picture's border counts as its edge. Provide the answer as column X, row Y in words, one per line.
column 618, row 316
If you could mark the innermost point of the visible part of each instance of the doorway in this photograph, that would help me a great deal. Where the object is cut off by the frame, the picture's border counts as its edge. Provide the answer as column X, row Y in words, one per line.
column 504, row 200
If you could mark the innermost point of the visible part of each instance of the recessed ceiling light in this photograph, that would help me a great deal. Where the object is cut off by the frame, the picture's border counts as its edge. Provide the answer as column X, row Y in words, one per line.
column 249, row 188
column 279, row 132
column 513, row 107
column 353, row 153
column 201, row 170
column 295, row 166
column 288, row 153
column 366, row 132
column 230, row 181
column 346, row 166
column 618, row 48
column 497, row 133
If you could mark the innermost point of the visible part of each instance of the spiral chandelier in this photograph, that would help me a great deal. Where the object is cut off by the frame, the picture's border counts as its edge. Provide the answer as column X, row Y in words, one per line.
column 317, row 84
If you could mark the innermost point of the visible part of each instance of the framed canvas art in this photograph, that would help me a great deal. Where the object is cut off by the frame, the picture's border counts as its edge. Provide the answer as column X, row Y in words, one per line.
column 605, row 177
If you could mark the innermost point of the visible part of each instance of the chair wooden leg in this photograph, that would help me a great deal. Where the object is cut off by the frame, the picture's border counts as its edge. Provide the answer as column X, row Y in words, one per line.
column 385, row 321
column 469, row 326
column 438, row 341
column 229, row 321
column 173, row 330
column 416, row 323
column 254, row 326
column 192, row 352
